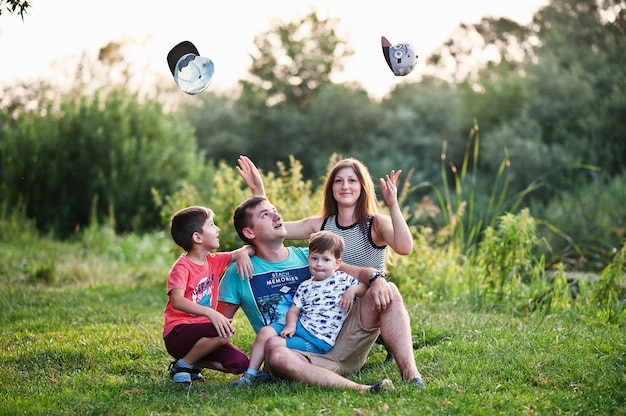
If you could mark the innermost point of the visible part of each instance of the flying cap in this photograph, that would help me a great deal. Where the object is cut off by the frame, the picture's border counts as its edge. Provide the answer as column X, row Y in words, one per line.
column 401, row 57
column 192, row 72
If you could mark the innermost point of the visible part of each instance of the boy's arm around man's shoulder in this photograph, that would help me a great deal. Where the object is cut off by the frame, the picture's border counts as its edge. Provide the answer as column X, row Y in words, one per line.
column 242, row 257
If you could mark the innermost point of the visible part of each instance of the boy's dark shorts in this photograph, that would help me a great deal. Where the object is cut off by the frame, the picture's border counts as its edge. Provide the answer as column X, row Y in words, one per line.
column 183, row 337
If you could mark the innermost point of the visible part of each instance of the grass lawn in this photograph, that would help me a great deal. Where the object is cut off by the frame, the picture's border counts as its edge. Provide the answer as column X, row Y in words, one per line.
column 97, row 349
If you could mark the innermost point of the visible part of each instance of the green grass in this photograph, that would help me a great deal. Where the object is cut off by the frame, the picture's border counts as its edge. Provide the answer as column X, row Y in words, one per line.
column 97, row 349
column 81, row 329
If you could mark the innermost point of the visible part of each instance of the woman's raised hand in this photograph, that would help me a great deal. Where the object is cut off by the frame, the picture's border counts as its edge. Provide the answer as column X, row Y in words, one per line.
column 389, row 187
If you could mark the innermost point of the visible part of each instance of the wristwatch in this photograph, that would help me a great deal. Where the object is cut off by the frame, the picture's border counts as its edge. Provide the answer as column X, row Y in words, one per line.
column 375, row 276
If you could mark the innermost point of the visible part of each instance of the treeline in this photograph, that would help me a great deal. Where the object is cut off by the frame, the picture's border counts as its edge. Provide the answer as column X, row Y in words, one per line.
column 544, row 119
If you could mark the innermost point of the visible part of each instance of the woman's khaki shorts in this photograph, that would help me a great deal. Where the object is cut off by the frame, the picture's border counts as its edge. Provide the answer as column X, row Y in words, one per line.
column 351, row 348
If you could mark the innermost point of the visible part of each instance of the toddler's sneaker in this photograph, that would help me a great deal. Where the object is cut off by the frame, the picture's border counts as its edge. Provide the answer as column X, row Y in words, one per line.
column 263, row 377
column 246, row 379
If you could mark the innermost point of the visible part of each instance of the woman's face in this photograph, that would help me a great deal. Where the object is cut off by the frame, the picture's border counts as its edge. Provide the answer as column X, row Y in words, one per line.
column 346, row 187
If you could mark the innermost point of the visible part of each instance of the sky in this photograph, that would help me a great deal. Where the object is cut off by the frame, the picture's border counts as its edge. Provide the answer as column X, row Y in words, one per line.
column 54, row 30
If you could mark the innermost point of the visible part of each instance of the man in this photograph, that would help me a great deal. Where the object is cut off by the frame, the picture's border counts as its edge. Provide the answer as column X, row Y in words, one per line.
column 265, row 298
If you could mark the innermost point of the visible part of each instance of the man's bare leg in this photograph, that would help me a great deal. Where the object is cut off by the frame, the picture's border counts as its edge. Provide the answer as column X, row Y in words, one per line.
column 291, row 365
column 395, row 328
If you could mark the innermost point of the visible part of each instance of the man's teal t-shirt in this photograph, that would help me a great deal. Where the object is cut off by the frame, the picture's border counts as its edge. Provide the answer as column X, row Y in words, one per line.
column 266, row 297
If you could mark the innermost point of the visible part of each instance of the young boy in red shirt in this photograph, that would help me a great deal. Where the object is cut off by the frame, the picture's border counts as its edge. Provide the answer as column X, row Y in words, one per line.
column 195, row 333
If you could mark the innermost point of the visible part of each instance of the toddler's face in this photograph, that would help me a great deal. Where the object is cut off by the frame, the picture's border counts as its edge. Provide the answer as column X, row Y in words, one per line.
column 322, row 265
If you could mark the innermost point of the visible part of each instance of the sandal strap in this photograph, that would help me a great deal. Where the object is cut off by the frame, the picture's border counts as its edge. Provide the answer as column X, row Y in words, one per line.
column 174, row 368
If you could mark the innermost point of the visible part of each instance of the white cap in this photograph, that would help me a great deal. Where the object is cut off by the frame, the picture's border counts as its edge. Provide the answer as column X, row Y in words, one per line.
column 192, row 73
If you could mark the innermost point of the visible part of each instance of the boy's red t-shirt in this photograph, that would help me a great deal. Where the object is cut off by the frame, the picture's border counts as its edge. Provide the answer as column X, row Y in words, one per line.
column 200, row 284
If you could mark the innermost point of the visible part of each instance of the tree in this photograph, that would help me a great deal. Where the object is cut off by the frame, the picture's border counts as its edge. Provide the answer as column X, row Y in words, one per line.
column 579, row 83
column 418, row 118
column 293, row 60
column 23, row 97
column 220, row 125
column 12, row 6
column 476, row 51
column 292, row 64
column 566, row 71
column 341, row 120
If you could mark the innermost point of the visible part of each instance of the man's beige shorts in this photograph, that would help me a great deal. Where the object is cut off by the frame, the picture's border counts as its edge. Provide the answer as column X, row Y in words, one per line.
column 351, row 348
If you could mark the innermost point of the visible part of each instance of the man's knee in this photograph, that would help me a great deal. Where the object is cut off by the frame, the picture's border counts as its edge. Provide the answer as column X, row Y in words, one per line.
column 396, row 296
column 276, row 357
column 280, row 358
column 395, row 290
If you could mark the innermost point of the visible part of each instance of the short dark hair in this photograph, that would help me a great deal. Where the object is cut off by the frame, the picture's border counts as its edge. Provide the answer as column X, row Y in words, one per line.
column 243, row 214
column 322, row 241
column 186, row 222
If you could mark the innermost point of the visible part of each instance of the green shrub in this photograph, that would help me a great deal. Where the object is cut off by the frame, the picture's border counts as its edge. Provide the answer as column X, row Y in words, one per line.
column 609, row 293
column 105, row 151
column 586, row 227
column 228, row 190
column 505, row 259
column 465, row 209
column 430, row 271
column 508, row 271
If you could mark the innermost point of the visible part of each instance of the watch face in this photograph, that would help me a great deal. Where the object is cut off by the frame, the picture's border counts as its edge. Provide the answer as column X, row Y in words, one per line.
column 376, row 275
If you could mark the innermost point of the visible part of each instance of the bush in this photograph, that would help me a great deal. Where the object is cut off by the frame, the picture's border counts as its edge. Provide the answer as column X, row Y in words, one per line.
column 94, row 155
column 586, row 227
column 227, row 190
column 609, row 293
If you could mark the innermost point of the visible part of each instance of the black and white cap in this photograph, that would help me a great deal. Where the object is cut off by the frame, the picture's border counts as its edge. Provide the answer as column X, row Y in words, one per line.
column 192, row 73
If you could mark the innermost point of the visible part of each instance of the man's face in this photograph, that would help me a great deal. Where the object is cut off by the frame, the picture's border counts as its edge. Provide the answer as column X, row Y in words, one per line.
column 266, row 224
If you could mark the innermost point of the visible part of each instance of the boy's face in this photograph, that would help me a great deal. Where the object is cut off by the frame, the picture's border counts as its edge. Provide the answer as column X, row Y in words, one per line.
column 323, row 265
column 209, row 234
